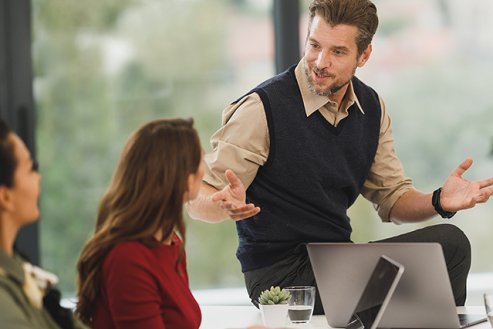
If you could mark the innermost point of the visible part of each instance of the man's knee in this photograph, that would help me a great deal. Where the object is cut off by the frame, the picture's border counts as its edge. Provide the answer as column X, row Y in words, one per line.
column 455, row 242
column 457, row 251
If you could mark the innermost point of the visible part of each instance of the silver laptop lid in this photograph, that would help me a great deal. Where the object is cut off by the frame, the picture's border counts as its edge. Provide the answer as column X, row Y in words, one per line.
column 422, row 299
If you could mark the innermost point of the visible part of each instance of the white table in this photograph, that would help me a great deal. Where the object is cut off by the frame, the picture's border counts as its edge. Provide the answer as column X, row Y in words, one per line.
column 233, row 317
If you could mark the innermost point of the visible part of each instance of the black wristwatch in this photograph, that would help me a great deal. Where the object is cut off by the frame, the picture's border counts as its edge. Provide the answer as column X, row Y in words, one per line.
column 435, row 200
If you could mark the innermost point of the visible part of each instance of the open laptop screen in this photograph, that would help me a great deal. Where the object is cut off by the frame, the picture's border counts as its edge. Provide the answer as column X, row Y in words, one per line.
column 376, row 294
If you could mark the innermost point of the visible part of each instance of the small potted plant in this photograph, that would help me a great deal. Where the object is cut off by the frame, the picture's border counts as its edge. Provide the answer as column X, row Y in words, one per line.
column 273, row 304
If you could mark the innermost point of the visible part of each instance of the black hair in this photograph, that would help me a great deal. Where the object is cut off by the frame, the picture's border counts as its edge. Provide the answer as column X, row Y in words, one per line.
column 7, row 156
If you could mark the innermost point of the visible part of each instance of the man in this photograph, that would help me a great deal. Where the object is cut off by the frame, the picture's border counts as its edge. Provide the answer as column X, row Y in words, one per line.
column 295, row 153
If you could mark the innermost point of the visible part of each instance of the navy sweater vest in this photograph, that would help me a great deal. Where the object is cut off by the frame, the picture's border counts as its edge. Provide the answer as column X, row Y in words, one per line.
column 313, row 174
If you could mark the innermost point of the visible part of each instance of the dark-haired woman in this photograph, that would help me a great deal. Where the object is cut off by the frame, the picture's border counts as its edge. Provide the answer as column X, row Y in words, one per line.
column 23, row 287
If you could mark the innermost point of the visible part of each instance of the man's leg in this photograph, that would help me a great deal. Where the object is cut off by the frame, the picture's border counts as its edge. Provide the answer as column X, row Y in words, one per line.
column 456, row 250
column 294, row 270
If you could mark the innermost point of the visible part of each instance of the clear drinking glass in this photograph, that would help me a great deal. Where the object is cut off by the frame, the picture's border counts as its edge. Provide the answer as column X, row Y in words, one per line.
column 301, row 303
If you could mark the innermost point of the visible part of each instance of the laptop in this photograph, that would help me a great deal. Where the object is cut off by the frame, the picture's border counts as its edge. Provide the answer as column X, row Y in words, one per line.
column 376, row 295
column 422, row 299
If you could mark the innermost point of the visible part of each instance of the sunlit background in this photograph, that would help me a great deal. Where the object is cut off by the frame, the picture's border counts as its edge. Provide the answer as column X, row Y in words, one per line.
column 102, row 68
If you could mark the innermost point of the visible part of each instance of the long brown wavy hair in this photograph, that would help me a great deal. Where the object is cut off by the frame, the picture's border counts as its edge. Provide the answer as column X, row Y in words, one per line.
column 145, row 196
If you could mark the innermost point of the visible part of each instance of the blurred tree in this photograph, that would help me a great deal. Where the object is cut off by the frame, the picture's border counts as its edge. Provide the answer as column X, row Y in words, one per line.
column 102, row 68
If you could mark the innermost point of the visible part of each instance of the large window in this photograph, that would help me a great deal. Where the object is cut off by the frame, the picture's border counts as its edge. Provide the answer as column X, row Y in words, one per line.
column 431, row 63
column 102, row 68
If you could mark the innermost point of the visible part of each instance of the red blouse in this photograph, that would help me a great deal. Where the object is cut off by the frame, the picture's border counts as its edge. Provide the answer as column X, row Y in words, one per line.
column 141, row 289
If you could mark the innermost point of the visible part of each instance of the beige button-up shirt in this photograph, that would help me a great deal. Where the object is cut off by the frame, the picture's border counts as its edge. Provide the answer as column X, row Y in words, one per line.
column 242, row 144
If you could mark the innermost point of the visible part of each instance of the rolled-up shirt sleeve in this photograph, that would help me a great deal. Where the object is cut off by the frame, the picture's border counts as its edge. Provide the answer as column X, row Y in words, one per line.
column 386, row 181
column 241, row 144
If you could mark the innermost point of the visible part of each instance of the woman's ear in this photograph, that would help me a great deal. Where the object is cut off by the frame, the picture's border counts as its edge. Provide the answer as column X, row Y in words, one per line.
column 5, row 198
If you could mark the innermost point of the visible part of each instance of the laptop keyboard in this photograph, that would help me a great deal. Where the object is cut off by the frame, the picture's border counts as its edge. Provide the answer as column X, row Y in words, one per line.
column 467, row 320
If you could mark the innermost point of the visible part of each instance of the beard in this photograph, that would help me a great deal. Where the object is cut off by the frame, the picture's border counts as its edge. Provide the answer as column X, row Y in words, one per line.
column 330, row 90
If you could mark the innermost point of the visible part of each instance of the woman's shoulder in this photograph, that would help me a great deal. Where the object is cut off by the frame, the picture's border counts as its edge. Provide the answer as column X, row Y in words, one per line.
column 126, row 257
column 136, row 252
column 128, row 250
column 18, row 310
column 136, row 260
column 129, row 246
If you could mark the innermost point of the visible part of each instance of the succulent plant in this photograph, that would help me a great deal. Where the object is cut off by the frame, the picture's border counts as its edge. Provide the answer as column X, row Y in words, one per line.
column 274, row 295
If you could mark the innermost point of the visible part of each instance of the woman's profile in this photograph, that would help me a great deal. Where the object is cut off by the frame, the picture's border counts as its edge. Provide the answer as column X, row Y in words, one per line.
column 27, row 299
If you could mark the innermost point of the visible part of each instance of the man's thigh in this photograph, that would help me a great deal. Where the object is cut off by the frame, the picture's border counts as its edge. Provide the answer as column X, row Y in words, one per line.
column 294, row 270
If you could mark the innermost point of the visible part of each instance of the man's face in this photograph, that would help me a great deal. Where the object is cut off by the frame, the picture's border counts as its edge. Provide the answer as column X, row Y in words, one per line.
column 331, row 57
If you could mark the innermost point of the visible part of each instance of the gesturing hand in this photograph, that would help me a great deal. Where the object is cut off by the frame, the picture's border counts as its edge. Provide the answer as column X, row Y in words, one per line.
column 459, row 193
column 232, row 199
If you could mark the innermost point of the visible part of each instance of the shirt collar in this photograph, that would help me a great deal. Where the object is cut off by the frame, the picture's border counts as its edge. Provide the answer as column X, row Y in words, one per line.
column 314, row 102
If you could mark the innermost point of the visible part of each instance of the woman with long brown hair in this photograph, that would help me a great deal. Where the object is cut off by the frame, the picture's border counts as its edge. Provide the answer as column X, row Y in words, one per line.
column 132, row 271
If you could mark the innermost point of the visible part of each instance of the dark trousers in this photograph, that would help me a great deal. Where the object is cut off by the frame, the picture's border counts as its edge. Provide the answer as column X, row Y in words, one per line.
column 296, row 270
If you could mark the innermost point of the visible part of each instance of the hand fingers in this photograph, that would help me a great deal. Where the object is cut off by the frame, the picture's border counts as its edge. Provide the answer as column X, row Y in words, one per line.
column 485, row 182
column 245, row 214
column 484, row 195
column 218, row 196
column 233, row 180
column 461, row 169
column 232, row 208
column 240, row 212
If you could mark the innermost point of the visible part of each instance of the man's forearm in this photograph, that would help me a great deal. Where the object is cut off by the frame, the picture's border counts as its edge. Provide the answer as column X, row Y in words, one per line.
column 204, row 209
column 412, row 207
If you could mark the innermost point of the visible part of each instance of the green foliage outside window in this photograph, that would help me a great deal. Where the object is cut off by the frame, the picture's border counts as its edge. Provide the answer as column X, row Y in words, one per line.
column 102, row 68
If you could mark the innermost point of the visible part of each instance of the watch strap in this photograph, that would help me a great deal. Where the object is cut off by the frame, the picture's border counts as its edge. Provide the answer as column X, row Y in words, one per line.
column 435, row 200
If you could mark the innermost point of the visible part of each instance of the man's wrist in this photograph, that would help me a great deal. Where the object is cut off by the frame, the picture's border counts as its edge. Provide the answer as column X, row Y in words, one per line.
column 435, row 200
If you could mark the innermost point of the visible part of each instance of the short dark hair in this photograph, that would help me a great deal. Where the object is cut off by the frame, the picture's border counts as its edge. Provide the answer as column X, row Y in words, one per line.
column 359, row 13
column 7, row 156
